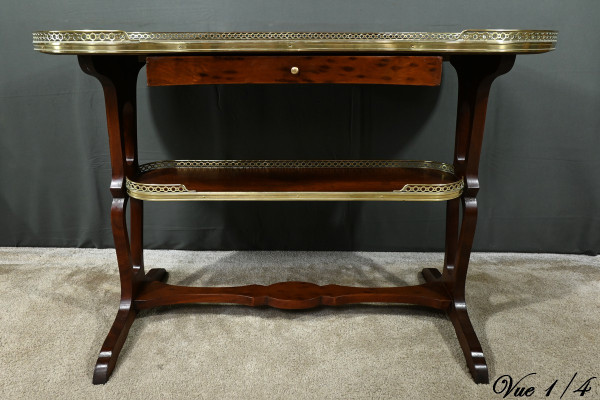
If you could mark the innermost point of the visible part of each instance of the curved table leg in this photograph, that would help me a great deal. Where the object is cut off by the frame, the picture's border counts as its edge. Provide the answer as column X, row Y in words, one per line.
column 109, row 353
column 469, row 342
column 126, row 315
column 118, row 77
column 475, row 76
column 458, row 310
column 128, row 273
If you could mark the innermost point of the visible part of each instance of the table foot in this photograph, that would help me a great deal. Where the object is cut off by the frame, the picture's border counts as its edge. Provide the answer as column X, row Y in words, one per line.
column 469, row 342
column 156, row 274
column 457, row 313
column 112, row 345
column 118, row 333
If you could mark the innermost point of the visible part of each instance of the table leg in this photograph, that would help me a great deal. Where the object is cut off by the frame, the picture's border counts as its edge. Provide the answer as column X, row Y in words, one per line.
column 475, row 76
column 118, row 77
column 125, row 316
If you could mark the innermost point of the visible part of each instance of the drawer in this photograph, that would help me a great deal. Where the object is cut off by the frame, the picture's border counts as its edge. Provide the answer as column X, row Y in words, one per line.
column 199, row 70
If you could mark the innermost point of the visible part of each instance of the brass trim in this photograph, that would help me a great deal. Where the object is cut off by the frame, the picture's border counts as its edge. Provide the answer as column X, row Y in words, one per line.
column 410, row 192
column 156, row 187
column 121, row 42
column 294, row 196
column 440, row 166
column 432, row 188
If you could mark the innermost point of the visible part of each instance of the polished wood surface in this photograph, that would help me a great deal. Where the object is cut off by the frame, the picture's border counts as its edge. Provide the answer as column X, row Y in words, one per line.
column 118, row 77
column 293, row 295
column 475, row 77
column 443, row 290
column 390, row 70
column 296, row 179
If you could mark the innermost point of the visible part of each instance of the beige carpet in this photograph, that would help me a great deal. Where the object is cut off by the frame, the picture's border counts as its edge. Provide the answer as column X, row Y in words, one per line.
column 533, row 313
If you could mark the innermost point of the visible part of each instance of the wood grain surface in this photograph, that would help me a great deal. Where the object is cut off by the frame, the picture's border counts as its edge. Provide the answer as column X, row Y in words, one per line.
column 296, row 179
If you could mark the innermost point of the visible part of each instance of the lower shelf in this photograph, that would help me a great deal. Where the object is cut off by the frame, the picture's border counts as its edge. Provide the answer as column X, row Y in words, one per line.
column 293, row 180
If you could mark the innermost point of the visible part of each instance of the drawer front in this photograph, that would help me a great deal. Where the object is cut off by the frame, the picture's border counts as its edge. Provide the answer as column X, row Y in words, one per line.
column 199, row 70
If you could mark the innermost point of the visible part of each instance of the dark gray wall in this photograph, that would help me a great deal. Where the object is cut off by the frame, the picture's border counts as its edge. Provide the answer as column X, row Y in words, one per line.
column 540, row 160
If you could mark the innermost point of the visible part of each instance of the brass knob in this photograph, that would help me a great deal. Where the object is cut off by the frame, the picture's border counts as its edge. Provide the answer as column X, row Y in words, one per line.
column 294, row 70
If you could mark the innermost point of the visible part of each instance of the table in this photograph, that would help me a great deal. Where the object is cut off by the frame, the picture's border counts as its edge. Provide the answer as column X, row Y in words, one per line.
column 394, row 58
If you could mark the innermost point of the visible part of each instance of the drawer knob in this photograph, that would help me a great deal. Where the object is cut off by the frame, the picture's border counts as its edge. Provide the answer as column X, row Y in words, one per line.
column 294, row 70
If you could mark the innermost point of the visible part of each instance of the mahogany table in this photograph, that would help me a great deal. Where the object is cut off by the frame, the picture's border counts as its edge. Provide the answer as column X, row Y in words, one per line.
column 115, row 58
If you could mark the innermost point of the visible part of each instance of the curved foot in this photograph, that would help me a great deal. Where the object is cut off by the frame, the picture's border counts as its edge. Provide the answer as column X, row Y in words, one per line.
column 157, row 274
column 431, row 274
column 112, row 345
column 469, row 342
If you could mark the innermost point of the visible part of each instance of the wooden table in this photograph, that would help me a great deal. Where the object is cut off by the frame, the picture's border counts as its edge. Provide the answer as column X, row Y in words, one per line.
column 115, row 58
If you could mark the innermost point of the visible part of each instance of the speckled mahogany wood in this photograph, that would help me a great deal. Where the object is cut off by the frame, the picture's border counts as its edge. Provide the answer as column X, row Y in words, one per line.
column 390, row 70
column 444, row 291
